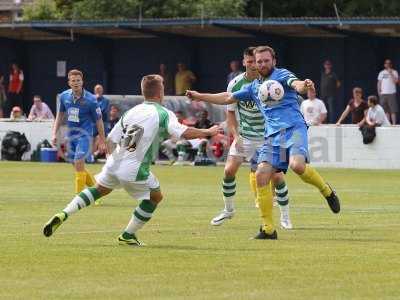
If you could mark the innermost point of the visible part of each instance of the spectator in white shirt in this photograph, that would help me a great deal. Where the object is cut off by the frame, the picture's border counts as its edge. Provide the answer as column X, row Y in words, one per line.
column 387, row 81
column 376, row 115
column 40, row 110
column 313, row 109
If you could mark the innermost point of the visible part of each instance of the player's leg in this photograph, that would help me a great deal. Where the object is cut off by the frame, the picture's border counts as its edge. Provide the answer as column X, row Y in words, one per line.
column 149, row 195
column 252, row 177
column 228, row 189
column 282, row 198
column 264, row 198
column 81, row 148
column 83, row 199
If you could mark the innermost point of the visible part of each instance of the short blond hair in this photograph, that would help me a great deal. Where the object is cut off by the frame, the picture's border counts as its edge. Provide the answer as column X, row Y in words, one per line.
column 151, row 85
column 260, row 49
column 75, row 72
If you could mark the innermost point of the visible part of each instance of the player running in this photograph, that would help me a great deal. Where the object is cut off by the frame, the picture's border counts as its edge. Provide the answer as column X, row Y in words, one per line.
column 131, row 144
column 82, row 113
column 247, row 140
column 286, row 143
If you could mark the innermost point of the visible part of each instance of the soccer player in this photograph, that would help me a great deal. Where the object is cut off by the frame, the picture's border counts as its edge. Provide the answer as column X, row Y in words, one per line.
column 131, row 144
column 286, row 142
column 82, row 113
column 247, row 140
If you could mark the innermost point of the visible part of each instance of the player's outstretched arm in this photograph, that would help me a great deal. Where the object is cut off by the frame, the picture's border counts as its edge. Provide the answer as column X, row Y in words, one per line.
column 56, row 127
column 220, row 98
column 302, row 86
column 194, row 133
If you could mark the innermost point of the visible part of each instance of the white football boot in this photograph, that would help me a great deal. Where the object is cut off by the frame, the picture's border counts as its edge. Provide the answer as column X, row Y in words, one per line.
column 222, row 217
column 285, row 218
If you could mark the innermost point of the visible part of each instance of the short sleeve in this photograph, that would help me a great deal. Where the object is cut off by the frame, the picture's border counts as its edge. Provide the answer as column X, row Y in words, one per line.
column 396, row 75
column 322, row 107
column 62, row 105
column 21, row 76
column 116, row 133
column 244, row 94
column 174, row 127
column 231, row 107
column 380, row 75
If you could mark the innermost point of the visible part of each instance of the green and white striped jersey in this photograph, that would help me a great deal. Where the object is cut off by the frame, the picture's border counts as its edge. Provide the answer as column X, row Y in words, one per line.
column 250, row 119
column 135, row 133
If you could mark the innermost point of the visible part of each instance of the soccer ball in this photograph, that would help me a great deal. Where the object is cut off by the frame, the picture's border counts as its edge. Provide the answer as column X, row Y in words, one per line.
column 270, row 92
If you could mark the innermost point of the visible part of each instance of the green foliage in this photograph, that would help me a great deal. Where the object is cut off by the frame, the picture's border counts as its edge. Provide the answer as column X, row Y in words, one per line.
column 41, row 10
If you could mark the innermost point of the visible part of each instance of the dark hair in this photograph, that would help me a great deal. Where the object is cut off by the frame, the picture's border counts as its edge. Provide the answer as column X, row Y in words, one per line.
column 260, row 49
column 373, row 99
column 37, row 96
column 249, row 51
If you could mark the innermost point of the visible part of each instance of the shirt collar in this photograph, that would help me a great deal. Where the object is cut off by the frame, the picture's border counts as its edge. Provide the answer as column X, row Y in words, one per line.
column 81, row 97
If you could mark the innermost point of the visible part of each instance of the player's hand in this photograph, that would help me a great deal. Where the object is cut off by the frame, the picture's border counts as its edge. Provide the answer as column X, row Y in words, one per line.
column 102, row 148
column 309, row 85
column 54, row 140
column 214, row 130
column 337, row 124
column 193, row 95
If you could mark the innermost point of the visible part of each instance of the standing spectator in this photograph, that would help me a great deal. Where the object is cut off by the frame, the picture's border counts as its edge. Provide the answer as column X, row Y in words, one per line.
column 104, row 105
column 313, row 109
column 358, row 108
column 184, row 80
column 376, row 115
column 387, row 80
column 114, row 115
column 235, row 70
column 15, row 86
column 329, row 87
column 3, row 96
column 168, row 80
column 40, row 110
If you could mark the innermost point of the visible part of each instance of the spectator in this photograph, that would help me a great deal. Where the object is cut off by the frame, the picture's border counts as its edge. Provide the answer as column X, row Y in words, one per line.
column 387, row 80
column 376, row 115
column 204, row 122
column 168, row 80
column 40, row 110
column 3, row 96
column 358, row 108
column 313, row 109
column 15, row 86
column 184, row 80
column 329, row 87
column 114, row 115
column 235, row 70
column 17, row 114
column 104, row 105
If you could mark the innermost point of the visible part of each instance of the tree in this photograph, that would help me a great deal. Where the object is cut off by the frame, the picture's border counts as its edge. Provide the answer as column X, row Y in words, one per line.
column 41, row 10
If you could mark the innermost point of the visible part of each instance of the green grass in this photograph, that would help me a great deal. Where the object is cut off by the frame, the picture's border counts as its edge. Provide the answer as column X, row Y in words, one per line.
column 353, row 255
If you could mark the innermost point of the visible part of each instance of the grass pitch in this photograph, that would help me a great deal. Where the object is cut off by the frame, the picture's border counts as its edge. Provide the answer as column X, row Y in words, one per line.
column 353, row 255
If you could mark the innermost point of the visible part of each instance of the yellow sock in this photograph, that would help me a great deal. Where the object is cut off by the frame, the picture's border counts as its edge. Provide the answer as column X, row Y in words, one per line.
column 264, row 198
column 80, row 180
column 90, row 181
column 253, row 186
column 312, row 177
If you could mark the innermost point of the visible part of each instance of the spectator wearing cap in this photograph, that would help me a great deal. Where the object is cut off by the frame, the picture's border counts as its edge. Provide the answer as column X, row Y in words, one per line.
column 358, row 108
column 376, row 115
column 17, row 114
column 329, row 89
column 387, row 81
column 40, row 110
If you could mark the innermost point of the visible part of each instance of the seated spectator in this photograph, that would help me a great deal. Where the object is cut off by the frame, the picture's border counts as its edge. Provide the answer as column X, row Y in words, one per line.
column 114, row 116
column 17, row 114
column 203, row 122
column 358, row 108
column 313, row 109
column 235, row 71
column 168, row 80
column 376, row 115
column 40, row 110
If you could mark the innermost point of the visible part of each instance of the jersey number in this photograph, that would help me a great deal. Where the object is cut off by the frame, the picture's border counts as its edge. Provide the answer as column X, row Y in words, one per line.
column 133, row 134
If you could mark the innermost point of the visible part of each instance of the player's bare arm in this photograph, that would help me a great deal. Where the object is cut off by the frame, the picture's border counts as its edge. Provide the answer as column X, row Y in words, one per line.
column 194, row 133
column 56, row 127
column 102, row 138
column 219, row 98
column 302, row 86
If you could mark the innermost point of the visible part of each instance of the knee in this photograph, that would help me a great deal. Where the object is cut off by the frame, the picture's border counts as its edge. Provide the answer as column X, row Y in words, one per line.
column 297, row 167
column 102, row 190
column 230, row 172
column 156, row 197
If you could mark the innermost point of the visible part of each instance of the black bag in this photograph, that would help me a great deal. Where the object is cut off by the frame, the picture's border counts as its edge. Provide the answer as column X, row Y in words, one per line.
column 14, row 145
column 368, row 133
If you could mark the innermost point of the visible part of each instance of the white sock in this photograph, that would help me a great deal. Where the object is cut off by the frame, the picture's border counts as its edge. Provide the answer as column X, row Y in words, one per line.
column 134, row 225
column 83, row 199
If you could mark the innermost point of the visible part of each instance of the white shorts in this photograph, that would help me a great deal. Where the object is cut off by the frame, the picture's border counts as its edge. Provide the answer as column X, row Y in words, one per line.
column 139, row 190
column 248, row 149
